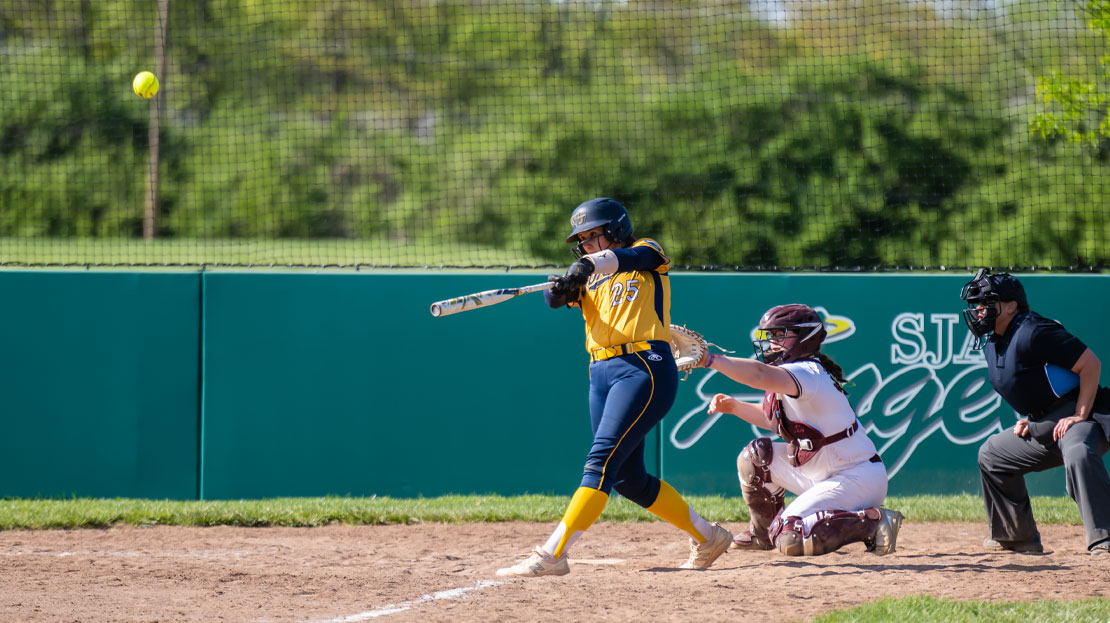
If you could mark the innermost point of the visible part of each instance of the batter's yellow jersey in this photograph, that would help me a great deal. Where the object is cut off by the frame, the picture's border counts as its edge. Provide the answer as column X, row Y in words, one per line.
column 631, row 306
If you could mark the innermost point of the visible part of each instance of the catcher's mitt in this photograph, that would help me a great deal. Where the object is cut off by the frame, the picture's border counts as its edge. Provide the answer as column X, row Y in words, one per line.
column 688, row 347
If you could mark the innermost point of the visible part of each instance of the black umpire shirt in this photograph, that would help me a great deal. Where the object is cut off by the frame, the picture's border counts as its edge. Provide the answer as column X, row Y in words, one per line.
column 1017, row 361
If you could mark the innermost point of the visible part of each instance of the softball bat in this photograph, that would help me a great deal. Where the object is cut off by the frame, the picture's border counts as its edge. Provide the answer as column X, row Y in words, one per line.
column 483, row 299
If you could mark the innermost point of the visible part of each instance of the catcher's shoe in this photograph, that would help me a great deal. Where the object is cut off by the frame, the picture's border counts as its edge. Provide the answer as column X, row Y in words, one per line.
column 886, row 535
column 536, row 564
column 1021, row 547
column 703, row 554
column 749, row 541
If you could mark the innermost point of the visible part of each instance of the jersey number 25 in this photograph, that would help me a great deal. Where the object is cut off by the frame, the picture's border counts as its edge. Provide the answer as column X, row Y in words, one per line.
column 620, row 294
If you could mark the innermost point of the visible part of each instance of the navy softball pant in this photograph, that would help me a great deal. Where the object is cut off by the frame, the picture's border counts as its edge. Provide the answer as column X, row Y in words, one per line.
column 629, row 395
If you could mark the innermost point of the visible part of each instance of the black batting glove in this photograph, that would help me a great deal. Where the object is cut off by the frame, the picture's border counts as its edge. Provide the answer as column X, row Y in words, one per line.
column 579, row 272
column 561, row 286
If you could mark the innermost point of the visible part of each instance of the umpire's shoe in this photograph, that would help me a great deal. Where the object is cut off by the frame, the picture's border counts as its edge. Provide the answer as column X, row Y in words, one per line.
column 885, row 540
column 703, row 554
column 537, row 563
column 1021, row 547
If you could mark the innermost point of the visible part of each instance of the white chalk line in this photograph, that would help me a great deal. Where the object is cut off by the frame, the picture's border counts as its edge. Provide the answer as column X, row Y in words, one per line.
column 454, row 593
column 207, row 554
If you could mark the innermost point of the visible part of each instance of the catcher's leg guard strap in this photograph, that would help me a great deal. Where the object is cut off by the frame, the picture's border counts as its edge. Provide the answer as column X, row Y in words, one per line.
column 765, row 500
column 824, row 531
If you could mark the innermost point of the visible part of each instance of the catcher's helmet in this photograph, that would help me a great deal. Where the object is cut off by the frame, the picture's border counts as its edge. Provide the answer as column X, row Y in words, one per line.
column 987, row 289
column 598, row 212
column 795, row 318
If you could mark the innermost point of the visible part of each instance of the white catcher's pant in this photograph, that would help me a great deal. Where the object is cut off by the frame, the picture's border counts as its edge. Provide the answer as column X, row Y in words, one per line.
column 852, row 488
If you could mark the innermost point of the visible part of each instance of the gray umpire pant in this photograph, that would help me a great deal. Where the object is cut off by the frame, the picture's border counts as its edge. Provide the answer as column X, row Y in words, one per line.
column 1005, row 458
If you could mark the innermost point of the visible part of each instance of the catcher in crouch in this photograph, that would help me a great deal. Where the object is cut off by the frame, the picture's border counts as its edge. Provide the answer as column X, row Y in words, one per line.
column 825, row 457
column 622, row 287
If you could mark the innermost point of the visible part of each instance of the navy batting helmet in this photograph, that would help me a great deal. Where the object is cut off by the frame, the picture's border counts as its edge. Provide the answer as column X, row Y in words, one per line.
column 599, row 212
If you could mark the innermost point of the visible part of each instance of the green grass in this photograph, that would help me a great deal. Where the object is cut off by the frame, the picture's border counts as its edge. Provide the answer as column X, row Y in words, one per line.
column 245, row 252
column 98, row 513
column 925, row 609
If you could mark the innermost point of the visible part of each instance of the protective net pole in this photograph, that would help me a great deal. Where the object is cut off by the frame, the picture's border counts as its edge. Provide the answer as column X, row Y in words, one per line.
column 150, row 206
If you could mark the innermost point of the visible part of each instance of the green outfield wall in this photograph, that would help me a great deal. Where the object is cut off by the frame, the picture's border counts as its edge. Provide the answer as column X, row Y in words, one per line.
column 99, row 384
column 223, row 385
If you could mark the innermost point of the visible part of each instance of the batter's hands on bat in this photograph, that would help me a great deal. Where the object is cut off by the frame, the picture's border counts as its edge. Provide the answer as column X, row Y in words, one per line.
column 575, row 277
column 562, row 286
column 580, row 271
column 723, row 403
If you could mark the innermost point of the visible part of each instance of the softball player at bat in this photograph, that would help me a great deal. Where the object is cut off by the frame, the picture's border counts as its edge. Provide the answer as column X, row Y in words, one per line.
column 622, row 287
column 824, row 457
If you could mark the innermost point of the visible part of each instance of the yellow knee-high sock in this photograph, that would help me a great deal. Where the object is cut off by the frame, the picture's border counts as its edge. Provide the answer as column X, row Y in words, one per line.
column 670, row 507
column 584, row 509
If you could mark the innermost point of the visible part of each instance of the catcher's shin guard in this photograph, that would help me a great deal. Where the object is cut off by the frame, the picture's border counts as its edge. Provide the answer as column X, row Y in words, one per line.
column 765, row 500
column 829, row 532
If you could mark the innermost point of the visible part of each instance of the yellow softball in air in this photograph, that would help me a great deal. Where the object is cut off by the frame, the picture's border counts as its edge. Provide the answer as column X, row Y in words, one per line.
column 145, row 84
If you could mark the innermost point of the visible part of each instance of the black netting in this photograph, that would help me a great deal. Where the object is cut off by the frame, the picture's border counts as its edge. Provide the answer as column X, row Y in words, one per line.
column 772, row 134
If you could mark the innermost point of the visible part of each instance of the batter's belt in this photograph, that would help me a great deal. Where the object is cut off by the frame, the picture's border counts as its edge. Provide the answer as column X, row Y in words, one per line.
column 608, row 352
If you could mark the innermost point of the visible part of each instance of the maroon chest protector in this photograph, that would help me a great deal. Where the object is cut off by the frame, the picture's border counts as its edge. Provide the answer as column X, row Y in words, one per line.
column 802, row 440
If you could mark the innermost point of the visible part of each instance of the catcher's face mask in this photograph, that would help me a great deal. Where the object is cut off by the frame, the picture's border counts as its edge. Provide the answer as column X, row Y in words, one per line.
column 775, row 345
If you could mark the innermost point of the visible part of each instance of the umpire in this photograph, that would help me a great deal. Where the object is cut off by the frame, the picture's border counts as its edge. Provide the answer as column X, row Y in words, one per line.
column 1050, row 377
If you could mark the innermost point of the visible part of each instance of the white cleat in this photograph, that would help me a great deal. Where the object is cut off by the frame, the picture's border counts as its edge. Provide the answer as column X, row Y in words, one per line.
column 536, row 564
column 703, row 554
column 886, row 535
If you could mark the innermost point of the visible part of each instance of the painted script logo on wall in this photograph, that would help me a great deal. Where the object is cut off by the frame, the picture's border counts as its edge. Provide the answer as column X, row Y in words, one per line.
column 935, row 383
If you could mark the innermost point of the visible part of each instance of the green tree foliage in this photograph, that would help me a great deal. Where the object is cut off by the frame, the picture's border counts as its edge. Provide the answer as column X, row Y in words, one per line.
column 852, row 135
column 1079, row 105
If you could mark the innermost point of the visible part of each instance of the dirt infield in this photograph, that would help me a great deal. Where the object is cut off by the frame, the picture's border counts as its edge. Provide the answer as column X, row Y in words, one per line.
column 620, row 572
